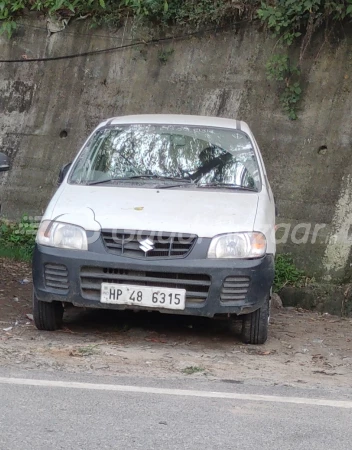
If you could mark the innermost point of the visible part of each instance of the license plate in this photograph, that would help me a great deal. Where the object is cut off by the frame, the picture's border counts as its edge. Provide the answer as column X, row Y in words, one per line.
column 151, row 297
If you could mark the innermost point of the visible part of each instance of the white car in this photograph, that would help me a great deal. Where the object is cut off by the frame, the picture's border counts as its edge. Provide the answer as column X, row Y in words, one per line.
column 171, row 213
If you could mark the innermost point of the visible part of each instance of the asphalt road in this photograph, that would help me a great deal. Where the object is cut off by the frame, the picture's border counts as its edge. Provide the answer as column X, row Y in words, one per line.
column 75, row 412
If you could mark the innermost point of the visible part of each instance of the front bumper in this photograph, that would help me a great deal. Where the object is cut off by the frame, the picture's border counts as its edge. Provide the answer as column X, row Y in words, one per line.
column 213, row 286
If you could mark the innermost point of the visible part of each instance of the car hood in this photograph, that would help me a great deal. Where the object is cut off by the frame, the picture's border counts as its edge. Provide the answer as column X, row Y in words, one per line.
column 203, row 212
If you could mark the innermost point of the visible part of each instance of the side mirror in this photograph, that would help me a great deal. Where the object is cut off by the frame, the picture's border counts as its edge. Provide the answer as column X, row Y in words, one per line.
column 63, row 173
column 4, row 162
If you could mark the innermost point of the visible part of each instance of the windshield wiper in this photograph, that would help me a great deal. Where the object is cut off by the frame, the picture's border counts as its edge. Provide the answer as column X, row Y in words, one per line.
column 108, row 180
column 162, row 177
column 170, row 186
column 142, row 177
column 227, row 186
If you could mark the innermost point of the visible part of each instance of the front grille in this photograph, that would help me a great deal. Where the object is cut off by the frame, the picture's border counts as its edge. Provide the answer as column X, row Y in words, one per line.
column 234, row 289
column 56, row 276
column 196, row 285
column 163, row 245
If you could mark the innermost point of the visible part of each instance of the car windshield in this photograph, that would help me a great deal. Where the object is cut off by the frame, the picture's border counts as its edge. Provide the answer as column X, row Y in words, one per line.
column 182, row 155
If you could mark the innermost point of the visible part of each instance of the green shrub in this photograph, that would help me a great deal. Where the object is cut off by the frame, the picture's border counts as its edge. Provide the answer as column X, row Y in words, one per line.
column 164, row 12
column 297, row 20
column 286, row 273
column 17, row 239
column 287, row 19
column 164, row 55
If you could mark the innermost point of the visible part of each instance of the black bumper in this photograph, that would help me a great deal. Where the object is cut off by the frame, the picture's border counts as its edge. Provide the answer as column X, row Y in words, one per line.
column 74, row 277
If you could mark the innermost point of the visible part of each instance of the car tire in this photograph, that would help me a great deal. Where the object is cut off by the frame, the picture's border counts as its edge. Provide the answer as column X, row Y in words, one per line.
column 255, row 325
column 47, row 316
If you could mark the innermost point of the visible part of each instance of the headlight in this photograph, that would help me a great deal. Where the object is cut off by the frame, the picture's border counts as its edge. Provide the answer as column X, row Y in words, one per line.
column 62, row 235
column 238, row 245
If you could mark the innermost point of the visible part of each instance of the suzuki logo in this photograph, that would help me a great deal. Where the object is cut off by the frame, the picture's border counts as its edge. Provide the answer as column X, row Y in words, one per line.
column 146, row 245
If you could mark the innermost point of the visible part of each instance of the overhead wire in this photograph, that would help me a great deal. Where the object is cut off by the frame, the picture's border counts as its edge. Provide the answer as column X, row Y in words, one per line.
column 116, row 48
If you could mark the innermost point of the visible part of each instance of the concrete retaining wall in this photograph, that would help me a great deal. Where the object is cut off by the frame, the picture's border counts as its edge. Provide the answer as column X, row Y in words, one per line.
column 48, row 108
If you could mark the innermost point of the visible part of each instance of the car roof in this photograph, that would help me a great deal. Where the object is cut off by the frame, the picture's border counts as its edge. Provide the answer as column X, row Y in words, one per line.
column 178, row 119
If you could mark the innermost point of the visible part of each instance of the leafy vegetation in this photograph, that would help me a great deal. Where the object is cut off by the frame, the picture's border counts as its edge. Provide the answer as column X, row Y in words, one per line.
column 164, row 55
column 288, row 20
column 17, row 239
column 89, row 350
column 279, row 69
column 163, row 12
column 286, row 273
column 192, row 369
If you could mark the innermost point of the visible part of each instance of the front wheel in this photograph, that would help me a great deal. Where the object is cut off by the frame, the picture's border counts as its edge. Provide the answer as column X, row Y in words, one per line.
column 255, row 325
column 47, row 316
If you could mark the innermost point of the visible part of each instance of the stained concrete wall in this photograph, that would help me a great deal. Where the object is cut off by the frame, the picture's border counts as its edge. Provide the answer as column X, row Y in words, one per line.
column 220, row 74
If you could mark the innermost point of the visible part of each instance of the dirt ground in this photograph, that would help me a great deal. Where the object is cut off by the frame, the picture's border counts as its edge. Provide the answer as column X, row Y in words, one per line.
column 304, row 348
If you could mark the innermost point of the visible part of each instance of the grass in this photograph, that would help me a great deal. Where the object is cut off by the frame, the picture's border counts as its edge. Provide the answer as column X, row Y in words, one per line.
column 192, row 369
column 16, row 253
column 286, row 273
column 17, row 239
column 89, row 350
column 164, row 55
